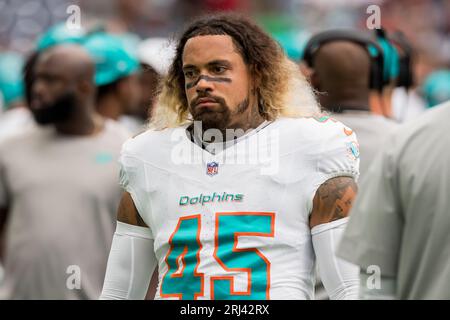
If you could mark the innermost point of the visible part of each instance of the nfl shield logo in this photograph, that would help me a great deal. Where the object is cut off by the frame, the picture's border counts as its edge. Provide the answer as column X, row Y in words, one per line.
column 212, row 169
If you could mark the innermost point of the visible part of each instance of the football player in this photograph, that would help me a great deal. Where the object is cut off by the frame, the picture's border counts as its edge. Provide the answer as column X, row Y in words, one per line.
column 246, row 217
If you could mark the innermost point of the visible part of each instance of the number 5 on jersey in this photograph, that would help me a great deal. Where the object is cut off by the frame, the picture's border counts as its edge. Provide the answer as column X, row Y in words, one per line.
column 182, row 279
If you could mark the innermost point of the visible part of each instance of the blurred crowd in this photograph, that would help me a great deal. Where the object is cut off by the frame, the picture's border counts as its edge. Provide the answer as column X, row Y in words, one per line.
column 425, row 23
column 127, row 47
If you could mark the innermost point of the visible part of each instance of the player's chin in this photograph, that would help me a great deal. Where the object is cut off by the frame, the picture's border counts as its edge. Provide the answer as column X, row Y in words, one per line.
column 211, row 120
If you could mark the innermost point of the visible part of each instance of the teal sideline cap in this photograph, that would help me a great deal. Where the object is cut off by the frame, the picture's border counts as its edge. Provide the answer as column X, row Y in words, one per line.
column 59, row 34
column 113, row 60
column 11, row 77
column 436, row 87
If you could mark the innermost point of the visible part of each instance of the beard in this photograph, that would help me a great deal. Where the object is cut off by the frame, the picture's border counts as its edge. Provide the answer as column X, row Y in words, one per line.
column 56, row 112
column 220, row 117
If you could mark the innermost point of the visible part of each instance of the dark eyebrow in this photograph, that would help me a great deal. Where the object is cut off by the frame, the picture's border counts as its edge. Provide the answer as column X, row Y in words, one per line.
column 221, row 62
column 189, row 66
column 209, row 64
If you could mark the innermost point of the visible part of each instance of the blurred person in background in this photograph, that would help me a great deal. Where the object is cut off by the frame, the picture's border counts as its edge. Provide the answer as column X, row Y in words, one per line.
column 400, row 222
column 58, row 34
column 403, row 98
column 380, row 100
column 15, row 117
column 430, row 43
column 116, row 75
column 16, row 78
column 155, row 56
column 400, row 98
column 341, row 72
column 58, row 185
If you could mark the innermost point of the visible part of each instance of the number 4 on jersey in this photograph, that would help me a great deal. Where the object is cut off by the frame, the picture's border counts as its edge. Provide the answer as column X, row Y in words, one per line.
column 184, row 282
column 182, row 279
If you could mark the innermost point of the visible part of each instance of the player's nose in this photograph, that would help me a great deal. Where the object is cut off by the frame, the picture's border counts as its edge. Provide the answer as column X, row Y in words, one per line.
column 203, row 84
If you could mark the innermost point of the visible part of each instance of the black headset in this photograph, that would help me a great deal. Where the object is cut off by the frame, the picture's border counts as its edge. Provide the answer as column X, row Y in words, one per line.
column 405, row 77
column 376, row 62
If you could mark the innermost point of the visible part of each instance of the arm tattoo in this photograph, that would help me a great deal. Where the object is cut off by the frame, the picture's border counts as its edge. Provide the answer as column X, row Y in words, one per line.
column 333, row 200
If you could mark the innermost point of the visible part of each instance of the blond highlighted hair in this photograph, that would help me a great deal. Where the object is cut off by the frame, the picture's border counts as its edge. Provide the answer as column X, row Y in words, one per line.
column 282, row 90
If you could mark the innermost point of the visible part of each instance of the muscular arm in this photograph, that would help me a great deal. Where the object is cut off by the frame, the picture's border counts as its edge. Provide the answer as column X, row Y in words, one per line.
column 127, row 213
column 331, row 205
column 333, row 200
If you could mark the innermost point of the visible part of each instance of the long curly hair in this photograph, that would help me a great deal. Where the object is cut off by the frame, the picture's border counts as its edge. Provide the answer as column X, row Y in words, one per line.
column 282, row 90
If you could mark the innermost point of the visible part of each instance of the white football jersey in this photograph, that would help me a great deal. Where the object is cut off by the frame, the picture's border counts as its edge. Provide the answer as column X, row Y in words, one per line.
column 235, row 225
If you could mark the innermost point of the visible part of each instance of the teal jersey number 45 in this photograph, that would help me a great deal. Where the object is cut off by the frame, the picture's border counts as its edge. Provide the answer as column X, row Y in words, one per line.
column 182, row 279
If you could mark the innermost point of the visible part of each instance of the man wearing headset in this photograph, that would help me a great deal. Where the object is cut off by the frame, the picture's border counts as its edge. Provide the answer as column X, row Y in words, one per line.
column 344, row 73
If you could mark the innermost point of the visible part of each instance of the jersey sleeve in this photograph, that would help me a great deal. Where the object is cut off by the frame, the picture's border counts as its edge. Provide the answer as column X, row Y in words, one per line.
column 337, row 155
column 374, row 232
column 133, row 179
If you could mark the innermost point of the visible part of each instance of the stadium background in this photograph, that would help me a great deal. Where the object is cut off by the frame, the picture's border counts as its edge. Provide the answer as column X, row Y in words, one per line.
column 426, row 23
